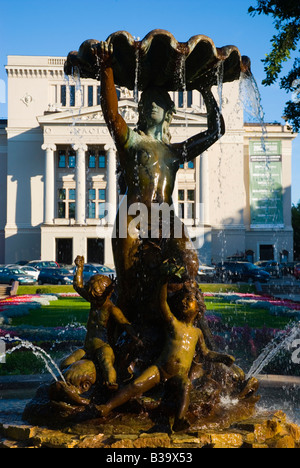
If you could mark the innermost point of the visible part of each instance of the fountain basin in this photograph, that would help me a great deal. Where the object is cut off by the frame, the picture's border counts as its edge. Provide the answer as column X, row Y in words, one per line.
column 265, row 430
column 160, row 60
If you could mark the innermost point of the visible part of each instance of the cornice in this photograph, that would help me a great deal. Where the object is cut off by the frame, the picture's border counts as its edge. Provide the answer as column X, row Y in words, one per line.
column 34, row 72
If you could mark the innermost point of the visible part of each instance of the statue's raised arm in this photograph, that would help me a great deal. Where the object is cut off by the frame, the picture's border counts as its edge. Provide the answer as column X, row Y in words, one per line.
column 199, row 143
column 109, row 99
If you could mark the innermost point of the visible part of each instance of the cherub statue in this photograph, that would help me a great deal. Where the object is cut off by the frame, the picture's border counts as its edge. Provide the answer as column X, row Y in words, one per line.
column 97, row 291
column 174, row 363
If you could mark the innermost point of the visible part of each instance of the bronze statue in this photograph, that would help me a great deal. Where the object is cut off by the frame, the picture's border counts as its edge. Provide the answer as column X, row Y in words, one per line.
column 97, row 291
column 157, row 298
column 175, row 362
column 149, row 163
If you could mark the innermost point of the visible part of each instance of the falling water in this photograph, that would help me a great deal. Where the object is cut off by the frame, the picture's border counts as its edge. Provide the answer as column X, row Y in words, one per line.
column 181, row 85
column 220, row 82
column 220, row 79
column 136, row 75
column 40, row 353
column 273, row 348
column 250, row 98
column 70, row 81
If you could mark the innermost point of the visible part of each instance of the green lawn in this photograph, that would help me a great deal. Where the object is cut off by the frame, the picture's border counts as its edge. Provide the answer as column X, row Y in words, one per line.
column 59, row 313
column 75, row 309
column 236, row 315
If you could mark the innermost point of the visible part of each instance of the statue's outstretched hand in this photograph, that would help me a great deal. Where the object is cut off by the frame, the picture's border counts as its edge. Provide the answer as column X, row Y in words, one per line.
column 79, row 261
column 104, row 51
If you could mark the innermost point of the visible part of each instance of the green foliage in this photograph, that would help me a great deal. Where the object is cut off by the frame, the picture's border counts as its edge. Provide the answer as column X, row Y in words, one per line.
column 286, row 16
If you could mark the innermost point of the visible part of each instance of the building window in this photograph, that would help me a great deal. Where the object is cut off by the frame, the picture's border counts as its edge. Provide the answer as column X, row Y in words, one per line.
column 95, row 250
column 61, row 203
column 181, row 204
column 102, row 161
column 185, row 99
column 64, row 251
column 92, row 160
column 96, row 158
column 63, row 95
column 98, row 95
column 188, row 165
column 72, row 96
column 90, row 96
column 92, row 204
column 66, row 203
column 72, row 158
column 62, row 158
column 67, row 159
column 180, row 99
column 96, row 203
column 186, row 204
column 102, row 194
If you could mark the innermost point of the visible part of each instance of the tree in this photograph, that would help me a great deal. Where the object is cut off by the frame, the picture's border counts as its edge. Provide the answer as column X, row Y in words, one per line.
column 286, row 14
column 296, row 227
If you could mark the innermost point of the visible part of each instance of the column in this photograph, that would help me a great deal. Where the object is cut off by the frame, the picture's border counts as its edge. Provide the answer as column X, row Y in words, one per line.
column 80, row 176
column 49, row 183
column 204, row 188
column 197, row 193
column 111, row 189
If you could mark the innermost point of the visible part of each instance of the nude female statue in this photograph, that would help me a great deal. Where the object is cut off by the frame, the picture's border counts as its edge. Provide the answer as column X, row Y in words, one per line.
column 149, row 163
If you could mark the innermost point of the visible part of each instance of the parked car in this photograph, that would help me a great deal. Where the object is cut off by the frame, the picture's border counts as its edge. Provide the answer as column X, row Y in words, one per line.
column 91, row 269
column 55, row 276
column 28, row 270
column 297, row 271
column 272, row 267
column 288, row 268
column 241, row 271
column 10, row 274
column 31, row 271
column 42, row 264
column 206, row 273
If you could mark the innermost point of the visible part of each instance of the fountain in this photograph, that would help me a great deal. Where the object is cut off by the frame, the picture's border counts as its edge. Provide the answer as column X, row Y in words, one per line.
column 149, row 363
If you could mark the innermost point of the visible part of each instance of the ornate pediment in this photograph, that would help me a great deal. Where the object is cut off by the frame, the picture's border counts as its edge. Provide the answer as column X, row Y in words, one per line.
column 127, row 108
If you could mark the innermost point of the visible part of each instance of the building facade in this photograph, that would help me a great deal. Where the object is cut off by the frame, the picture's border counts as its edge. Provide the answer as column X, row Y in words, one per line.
column 58, row 167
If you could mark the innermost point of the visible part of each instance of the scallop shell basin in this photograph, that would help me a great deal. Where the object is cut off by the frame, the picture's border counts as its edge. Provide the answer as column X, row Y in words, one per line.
column 160, row 60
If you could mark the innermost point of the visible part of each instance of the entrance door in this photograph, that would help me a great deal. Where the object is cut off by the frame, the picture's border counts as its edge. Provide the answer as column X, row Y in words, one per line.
column 64, row 251
column 95, row 251
column 266, row 252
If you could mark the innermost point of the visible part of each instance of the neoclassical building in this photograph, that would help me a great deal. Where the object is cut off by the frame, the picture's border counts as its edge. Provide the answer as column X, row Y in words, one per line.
column 58, row 167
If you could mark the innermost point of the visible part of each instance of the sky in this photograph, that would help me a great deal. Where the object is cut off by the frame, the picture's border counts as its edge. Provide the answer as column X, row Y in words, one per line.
column 54, row 28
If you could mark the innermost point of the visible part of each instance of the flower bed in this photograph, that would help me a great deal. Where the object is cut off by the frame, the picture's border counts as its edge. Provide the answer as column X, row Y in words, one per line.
column 21, row 305
column 245, row 342
column 274, row 306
